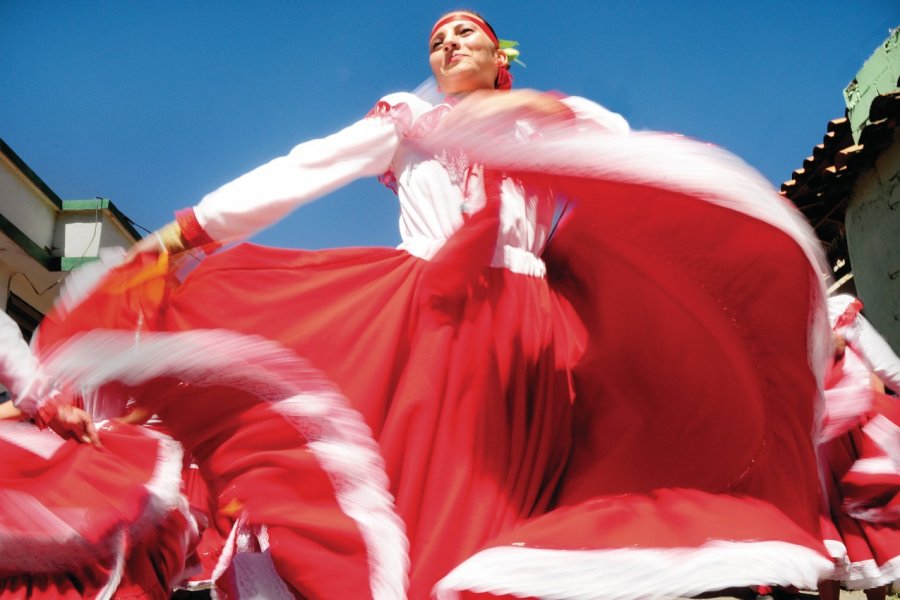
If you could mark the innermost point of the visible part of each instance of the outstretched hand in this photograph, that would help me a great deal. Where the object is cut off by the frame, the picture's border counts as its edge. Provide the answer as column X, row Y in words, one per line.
column 166, row 239
column 481, row 110
column 71, row 422
column 146, row 245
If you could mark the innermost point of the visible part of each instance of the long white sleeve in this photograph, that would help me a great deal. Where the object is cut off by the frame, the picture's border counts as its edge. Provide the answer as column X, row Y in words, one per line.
column 17, row 363
column 266, row 194
column 877, row 353
column 865, row 341
column 19, row 369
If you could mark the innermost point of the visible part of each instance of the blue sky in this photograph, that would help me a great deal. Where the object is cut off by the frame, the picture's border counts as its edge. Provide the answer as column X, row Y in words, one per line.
column 154, row 103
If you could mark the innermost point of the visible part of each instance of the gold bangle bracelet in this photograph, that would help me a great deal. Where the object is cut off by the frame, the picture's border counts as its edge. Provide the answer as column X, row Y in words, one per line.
column 170, row 238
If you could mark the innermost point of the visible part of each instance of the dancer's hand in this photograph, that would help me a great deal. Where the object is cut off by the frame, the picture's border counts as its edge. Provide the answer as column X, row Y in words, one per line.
column 839, row 345
column 9, row 411
column 145, row 245
column 488, row 109
column 166, row 239
column 71, row 422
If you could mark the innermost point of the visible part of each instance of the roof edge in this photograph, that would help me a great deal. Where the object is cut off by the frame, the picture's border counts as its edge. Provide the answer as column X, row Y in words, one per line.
column 41, row 255
column 104, row 204
column 14, row 158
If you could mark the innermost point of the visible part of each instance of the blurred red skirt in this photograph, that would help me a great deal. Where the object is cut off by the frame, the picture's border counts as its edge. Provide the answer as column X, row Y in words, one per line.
column 85, row 522
column 861, row 525
column 638, row 423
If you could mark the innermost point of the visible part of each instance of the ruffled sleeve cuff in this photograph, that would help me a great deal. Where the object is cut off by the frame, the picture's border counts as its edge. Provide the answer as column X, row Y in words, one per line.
column 40, row 400
column 48, row 408
column 193, row 233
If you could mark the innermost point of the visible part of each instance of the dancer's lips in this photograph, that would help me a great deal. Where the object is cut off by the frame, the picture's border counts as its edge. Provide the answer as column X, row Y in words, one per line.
column 455, row 58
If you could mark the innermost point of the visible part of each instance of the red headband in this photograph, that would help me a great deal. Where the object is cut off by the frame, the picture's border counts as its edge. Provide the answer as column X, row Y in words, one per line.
column 466, row 16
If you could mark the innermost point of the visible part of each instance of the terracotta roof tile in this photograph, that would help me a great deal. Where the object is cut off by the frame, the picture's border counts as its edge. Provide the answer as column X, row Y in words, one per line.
column 821, row 187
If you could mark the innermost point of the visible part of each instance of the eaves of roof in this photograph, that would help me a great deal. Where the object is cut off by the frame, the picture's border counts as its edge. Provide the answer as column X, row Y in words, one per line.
column 821, row 188
column 23, row 168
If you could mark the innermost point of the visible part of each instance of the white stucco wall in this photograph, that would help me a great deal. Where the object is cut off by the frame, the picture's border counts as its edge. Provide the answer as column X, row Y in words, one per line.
column 19, row 272
column 25, row 206
column 83, row 233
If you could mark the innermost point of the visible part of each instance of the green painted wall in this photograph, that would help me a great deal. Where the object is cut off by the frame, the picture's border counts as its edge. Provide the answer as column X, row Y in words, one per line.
column 879, row 75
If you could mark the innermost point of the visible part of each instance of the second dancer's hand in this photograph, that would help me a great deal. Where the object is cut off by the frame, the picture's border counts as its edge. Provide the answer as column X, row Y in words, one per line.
column 71, row 422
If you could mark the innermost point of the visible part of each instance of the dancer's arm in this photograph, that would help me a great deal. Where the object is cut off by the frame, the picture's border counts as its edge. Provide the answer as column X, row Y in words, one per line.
column 9, row 411
column 877, row 353
column 33, row 392
column 268, row 193
column 17, row 364
column 488, row 110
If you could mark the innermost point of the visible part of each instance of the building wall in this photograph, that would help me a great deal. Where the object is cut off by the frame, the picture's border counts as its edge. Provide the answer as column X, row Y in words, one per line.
column 42, row 237
column 873, row 236
column 83, row 232
column 25, row 206
column 25, row 277
column 28, row 209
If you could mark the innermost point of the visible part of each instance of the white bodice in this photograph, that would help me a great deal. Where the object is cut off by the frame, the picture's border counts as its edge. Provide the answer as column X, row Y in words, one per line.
column 434, row 204
column 870, row 352
column 436, row 192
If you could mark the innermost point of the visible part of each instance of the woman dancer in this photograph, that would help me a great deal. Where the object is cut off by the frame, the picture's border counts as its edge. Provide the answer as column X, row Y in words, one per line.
column 95, row 515
column 862, row 481
column 569, row 376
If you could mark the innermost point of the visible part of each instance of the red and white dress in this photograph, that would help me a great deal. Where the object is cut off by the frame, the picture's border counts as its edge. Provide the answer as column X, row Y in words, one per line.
column 78, row 521
column 591, row 369
column 861, row 527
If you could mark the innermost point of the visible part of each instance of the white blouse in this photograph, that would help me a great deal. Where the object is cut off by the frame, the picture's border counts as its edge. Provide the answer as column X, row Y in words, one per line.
column 861, row 336
column 435, row 192
column 19, row 369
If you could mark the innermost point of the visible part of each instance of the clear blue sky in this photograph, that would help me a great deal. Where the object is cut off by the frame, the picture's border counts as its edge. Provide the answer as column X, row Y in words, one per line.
column 153, row 103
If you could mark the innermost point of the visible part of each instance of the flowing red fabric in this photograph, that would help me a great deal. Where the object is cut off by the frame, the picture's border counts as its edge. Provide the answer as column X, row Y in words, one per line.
column 862, row 483
column 698, row 348
column 863, row 513
column 68, row 515
column 201, row 562
column 653, row 393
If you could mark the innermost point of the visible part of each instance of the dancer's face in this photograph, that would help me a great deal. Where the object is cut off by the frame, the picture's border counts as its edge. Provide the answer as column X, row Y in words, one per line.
column 463, row 58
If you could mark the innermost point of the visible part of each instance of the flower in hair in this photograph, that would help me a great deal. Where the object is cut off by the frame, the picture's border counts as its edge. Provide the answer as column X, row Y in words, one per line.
column 508, row 47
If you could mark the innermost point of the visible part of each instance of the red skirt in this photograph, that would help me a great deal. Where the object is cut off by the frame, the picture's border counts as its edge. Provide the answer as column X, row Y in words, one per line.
column 204, row 556
column 638, row 423
column 85, row 522
column 861, row 526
